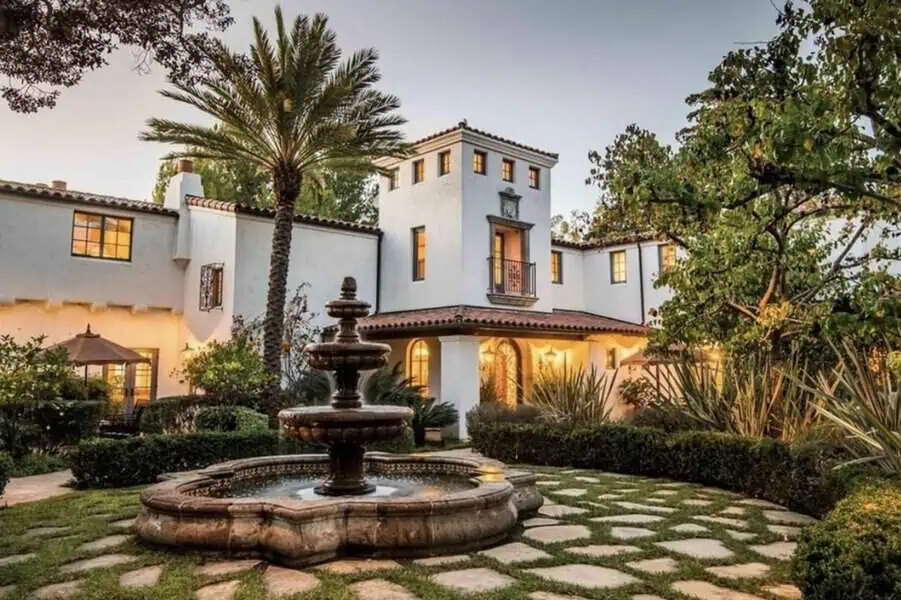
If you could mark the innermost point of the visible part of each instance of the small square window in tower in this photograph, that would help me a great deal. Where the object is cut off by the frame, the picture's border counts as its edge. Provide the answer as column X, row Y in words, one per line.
column 393, row 175
column 211, row 279
column 444, row 163
column 507, row 167
column 534, row 178
column 479, row 162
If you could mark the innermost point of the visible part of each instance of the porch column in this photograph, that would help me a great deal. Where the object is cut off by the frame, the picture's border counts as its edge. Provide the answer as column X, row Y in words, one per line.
column 597, row 355
column 460, row 375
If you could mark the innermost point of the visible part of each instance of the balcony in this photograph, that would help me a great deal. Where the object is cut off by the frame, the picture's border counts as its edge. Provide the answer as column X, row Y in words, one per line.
column 511, row 282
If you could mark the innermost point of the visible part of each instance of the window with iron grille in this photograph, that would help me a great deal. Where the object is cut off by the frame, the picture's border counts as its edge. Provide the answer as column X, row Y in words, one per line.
column 211, row 277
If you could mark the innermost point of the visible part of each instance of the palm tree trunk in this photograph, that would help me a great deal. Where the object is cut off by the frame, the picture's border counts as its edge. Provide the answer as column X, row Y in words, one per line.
column 286, row 184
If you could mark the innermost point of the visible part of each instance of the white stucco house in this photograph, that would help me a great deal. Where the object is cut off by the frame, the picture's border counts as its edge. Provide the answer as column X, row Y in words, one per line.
column 462, row 273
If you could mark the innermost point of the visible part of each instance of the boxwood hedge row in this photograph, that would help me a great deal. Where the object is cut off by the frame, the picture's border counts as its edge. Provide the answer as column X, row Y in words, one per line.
column 854, row 552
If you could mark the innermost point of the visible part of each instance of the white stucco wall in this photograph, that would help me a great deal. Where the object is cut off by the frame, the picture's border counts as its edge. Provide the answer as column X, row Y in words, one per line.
column 319, row 256
column 212, row 240
column 151, row 329
column 571, row 293
column 435, row 204
column 36, row 261
column 481, row 198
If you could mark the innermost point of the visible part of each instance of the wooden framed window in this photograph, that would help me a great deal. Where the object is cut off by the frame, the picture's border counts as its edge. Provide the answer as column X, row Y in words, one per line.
column 535, row 178
column 444, row 163
column 666, row 255
column 101, row 236
column 507, row 167
column 211, row 279
column 419, row 253
column 393, row 175
column 142, row 390
column 418, row 365
column 418, row 170
column 618, row 266
column 610, row 359
column 556, row 266
column 479, row 162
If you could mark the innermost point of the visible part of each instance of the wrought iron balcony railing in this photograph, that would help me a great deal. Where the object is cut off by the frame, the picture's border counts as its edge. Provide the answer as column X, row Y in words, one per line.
column 511, row 277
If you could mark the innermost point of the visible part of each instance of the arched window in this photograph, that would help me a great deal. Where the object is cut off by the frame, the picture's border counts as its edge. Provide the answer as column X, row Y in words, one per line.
column 418, row 365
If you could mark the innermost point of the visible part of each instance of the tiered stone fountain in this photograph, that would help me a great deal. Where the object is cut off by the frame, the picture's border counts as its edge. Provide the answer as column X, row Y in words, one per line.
column 307, row 508
column 346, row 425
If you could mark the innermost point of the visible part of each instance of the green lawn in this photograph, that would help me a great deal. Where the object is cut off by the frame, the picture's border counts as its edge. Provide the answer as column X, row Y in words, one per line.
column 90, row 516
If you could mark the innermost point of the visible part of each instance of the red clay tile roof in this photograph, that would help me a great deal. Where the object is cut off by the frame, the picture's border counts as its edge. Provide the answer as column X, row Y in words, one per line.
column 558, row 321
column 606, row 241
column 48, row 193
column 270, row 213
column 464, row 126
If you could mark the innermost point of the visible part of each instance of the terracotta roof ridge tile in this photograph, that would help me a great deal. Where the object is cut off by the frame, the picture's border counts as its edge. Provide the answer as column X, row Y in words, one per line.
column 49, row 193
column 247, row 209
column 463, row 125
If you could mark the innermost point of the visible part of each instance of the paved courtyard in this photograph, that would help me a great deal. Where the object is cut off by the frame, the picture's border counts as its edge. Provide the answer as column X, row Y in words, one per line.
column 599, row 536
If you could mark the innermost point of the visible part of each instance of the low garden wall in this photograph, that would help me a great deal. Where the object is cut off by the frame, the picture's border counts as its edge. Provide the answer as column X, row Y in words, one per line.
column 854, row 552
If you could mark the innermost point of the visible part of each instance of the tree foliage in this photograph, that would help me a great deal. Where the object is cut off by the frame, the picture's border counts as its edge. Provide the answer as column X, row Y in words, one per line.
column 46, row 45
column 292, row 108
column 348, row 196
column 783, row 190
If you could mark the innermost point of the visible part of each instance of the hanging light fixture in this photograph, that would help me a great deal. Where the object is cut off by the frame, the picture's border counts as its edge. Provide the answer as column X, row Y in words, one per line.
column 550, row 354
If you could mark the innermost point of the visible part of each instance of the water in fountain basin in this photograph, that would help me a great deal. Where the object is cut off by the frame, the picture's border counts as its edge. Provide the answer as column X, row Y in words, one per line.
column 302, row 487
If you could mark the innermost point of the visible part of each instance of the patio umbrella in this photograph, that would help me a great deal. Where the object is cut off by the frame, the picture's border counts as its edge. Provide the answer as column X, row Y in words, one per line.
column 640, row 359
column 90, row 348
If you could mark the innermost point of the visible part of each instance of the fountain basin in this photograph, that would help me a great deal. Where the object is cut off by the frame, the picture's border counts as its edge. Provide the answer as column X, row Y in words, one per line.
column 473, row 505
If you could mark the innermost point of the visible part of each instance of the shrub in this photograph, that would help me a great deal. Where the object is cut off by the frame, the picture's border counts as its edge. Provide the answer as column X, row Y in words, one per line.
column 6, row 465
column 855, row 552
column 637, row 392
column 38, row 464
column 65, row 422
column 231, row 418
column 797, row 476
column 134, row 461
column 573, row 395
column 230, row 372
column 171, row 414
column 493, row 411
column 76, row 388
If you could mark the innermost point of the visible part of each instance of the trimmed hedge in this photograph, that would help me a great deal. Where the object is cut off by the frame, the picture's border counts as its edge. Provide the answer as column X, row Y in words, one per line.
column 231, row 418
column 855, row 552
column 800, row 477
column 104, row 463
column 6, row 465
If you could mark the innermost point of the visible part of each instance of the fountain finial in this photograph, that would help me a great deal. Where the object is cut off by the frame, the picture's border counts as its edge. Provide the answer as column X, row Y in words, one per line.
column 349, row 289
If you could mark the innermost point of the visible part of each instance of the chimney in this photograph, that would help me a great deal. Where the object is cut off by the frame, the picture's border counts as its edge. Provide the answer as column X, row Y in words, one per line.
column 58, row 184
column 185, row 165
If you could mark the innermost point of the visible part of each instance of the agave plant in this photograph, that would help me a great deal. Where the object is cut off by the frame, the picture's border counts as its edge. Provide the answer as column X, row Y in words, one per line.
column 574, row 395
column 388, row 385
column 864, row 400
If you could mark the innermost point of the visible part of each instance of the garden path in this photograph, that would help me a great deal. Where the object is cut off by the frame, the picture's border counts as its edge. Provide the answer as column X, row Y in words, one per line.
column 36, row 487
column 600, row 536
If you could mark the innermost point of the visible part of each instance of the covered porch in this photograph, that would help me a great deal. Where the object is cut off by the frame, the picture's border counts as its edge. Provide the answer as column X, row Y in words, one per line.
column 466, row 355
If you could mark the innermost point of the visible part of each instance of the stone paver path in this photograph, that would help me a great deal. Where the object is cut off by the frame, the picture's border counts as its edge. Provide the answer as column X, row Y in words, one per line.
column 643, row 539
column 36, row 487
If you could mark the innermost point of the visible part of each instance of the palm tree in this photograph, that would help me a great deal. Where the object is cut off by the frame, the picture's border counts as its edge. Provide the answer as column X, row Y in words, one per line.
column 292, row 108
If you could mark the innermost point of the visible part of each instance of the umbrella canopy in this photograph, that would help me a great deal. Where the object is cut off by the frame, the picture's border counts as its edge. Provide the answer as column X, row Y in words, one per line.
column 91, row 349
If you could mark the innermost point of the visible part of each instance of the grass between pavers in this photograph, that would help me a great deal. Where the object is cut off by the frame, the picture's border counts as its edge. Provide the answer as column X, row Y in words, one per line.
column 89, row 516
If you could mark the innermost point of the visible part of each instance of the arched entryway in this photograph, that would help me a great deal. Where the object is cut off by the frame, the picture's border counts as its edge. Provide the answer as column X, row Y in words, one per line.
column 501, row 368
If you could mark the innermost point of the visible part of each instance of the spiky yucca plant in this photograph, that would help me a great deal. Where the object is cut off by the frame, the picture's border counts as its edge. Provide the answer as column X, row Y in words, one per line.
column 864, row 400
column 573, row 395
column 291, row 107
